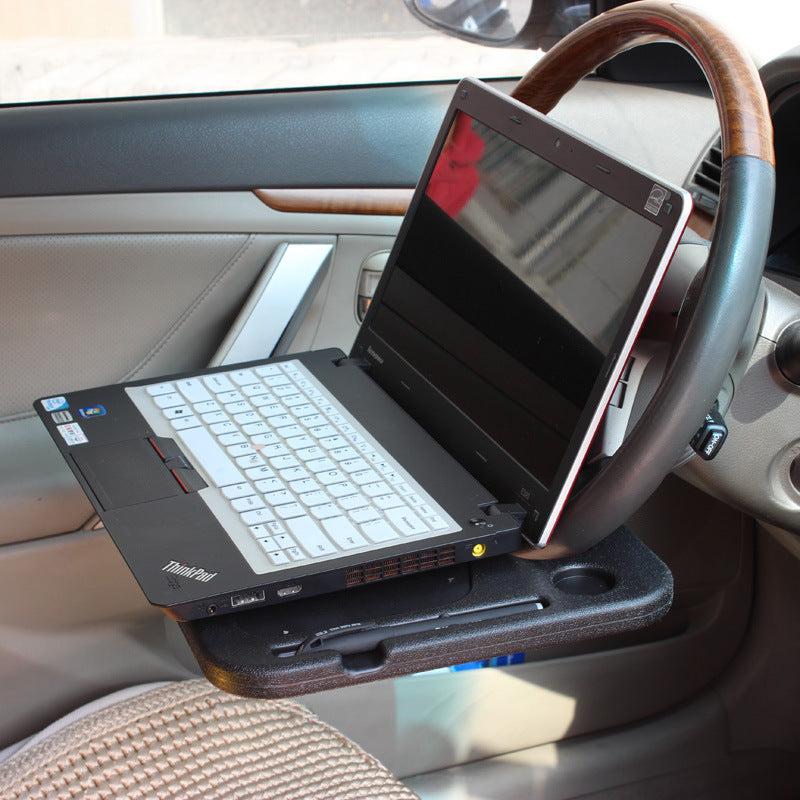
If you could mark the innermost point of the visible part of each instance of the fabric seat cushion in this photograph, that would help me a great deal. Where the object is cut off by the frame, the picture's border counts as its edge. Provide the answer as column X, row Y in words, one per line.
column 190, row 740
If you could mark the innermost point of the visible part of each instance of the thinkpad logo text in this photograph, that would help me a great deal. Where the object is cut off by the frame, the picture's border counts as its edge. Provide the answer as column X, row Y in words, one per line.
column 185, row 571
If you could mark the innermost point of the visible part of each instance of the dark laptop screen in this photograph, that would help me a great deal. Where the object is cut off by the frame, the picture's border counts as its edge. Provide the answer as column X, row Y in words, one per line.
column 509, row 290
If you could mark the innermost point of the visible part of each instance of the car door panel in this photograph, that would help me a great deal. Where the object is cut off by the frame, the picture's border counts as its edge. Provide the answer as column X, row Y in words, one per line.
column 63, row 314
column 176, row 212
column 65, row 325
column 343, row 137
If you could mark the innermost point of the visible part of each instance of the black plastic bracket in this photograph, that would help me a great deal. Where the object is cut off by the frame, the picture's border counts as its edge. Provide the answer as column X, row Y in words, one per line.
column 361, row 363
column 447, row 616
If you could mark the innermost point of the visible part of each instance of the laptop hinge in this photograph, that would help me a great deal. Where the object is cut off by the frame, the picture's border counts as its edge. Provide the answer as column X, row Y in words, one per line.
column 361, row 363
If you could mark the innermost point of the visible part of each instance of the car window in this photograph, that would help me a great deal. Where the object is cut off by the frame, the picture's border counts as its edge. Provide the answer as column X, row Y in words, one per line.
column 86, row 49
column 89, row 49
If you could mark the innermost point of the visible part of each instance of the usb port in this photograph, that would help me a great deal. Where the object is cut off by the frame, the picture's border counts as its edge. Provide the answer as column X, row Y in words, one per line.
column 246, row 598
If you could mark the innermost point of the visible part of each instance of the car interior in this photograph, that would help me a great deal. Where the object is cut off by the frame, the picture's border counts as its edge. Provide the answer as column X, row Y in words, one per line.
column 138, row 237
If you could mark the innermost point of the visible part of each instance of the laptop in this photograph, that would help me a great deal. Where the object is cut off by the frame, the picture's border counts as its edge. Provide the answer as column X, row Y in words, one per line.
column 454, row 429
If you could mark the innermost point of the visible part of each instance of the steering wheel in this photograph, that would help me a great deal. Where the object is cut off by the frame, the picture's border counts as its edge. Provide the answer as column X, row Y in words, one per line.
column 702, row 354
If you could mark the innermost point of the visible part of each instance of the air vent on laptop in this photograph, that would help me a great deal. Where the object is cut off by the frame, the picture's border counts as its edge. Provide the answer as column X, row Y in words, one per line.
column 401, row 565
column 704, row 184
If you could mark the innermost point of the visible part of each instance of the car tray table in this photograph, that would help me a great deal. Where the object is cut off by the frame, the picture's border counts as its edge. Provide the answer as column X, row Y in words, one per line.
column 433, row 619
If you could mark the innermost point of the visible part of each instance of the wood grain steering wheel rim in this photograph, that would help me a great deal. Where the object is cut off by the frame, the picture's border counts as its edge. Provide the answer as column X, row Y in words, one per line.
column 702, row 356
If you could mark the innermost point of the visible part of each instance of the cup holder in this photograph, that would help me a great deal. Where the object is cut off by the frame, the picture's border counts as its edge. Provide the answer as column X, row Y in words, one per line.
column 583, row 581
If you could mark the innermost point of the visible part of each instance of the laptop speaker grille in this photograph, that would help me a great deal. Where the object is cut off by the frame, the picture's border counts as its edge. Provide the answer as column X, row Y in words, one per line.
column 400, row 565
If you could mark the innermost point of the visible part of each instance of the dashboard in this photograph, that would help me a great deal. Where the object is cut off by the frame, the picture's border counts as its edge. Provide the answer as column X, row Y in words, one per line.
column 781, row 79
column 757, row 469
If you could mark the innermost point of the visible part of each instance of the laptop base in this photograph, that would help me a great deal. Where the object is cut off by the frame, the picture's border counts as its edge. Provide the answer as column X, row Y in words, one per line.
column 455, row 615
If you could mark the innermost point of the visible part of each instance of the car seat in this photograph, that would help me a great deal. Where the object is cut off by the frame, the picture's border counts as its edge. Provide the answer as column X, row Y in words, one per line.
column 187, row 739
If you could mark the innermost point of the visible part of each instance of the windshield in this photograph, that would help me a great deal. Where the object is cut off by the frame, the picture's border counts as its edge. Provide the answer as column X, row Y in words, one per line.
column 87, row 49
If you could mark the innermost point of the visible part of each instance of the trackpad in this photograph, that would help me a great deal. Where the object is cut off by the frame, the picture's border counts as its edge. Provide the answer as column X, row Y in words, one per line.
column 125, row 473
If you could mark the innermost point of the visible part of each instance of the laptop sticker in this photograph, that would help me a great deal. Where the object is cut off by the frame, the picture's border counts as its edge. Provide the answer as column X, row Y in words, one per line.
column 658, row 194
column 72, row 433
column 91, row 411
column 55, row 403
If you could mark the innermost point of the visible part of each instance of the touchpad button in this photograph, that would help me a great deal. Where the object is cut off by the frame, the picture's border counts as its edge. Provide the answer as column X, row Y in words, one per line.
column 125, row 473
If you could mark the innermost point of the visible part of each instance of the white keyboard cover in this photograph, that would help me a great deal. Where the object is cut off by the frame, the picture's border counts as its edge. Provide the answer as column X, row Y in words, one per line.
column 293, row 477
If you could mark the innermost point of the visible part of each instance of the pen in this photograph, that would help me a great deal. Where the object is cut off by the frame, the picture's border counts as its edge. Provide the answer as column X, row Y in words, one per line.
column 364, row 636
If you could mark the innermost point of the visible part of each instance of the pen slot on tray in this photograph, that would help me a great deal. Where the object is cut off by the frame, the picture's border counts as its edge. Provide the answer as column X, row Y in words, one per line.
column 360, row 663
column 360, row 645
column 285, row 651
column 353, row 660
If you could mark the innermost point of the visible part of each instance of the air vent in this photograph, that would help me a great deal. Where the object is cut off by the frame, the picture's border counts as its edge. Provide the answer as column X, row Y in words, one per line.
column 705, row 181
column 401, row 565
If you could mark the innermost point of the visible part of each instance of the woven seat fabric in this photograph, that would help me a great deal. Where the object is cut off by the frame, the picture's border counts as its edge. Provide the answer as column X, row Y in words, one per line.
column 190, row 740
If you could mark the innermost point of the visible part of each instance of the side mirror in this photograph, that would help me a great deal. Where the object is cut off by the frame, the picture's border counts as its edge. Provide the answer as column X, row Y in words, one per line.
column 534, row 24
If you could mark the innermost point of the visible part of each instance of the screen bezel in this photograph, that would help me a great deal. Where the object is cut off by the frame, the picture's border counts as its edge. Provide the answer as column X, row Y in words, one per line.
column 485, row 458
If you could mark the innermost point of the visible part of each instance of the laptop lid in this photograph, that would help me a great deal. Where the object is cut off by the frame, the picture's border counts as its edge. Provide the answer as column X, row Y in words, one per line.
column 516, row 287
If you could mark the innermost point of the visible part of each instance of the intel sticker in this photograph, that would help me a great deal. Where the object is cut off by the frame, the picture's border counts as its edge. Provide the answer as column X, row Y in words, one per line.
column 55, row 403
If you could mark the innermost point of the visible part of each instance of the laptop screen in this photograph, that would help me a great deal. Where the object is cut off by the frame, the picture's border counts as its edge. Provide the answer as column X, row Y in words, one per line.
column 513, row 284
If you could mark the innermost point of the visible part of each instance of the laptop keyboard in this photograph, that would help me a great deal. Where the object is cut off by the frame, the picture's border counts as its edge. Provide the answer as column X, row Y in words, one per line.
column 295, row 478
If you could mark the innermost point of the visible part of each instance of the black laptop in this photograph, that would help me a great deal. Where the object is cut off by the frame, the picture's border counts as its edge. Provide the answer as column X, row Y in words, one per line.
column 453, row 430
